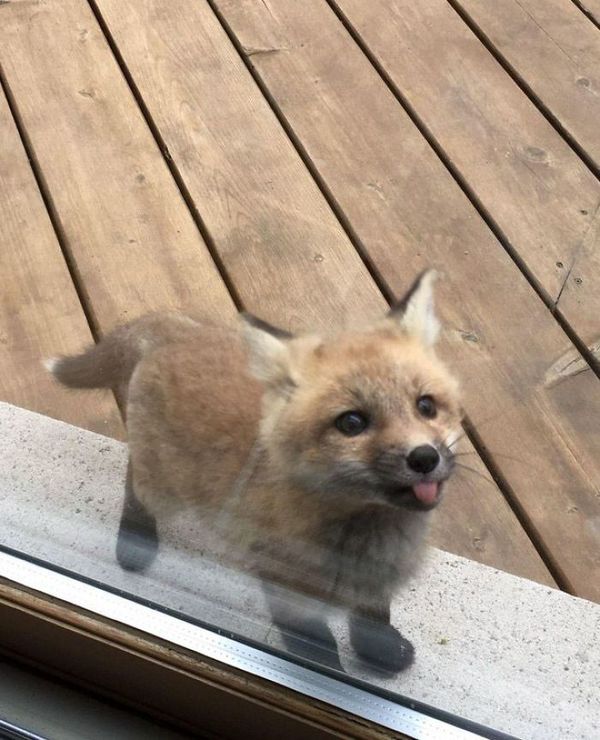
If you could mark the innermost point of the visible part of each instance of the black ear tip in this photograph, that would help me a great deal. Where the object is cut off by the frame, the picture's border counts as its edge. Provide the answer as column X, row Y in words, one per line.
column 265, row 326
column 399, row 307
column 247, row 317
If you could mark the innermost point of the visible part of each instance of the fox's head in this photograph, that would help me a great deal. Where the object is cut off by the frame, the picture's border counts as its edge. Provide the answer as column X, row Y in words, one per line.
column 370, row 413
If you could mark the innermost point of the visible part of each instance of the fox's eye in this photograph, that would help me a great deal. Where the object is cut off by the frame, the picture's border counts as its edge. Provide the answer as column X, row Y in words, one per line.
column 351, row 423
column 426, row 407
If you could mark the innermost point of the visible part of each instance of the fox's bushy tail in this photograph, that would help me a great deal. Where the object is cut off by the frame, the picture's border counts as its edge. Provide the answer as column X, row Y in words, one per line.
column 107, row 364
column 111, row 362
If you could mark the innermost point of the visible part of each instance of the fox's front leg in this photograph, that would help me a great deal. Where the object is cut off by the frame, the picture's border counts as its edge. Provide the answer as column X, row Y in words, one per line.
column 376, row 641
column 302, row 625
column 137, row 542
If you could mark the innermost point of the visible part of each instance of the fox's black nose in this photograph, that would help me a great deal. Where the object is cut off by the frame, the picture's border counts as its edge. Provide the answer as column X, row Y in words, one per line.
column 423, row 459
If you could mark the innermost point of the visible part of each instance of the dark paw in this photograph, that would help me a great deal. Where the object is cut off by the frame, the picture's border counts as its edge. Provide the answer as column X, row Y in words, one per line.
column 135, row 549
column 317, row 644
column 381, row 646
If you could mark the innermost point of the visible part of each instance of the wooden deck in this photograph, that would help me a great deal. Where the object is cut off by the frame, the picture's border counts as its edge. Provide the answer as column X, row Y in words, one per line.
column 303, row 160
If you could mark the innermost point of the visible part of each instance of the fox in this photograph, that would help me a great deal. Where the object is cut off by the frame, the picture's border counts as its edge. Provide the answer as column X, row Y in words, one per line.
column 318, row 458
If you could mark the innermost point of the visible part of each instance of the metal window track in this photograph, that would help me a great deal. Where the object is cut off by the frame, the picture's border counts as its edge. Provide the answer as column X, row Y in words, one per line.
column 10, row 731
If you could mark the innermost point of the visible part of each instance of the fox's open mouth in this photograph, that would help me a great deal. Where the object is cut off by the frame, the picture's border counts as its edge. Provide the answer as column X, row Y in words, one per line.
column 424, row 495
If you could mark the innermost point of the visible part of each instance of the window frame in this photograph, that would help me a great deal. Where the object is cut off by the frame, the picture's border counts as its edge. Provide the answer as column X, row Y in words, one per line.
column 49, row 621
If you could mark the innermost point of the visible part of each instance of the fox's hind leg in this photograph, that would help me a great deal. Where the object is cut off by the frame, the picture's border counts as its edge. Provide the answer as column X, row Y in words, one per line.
column 302, row 625
column 137, row 541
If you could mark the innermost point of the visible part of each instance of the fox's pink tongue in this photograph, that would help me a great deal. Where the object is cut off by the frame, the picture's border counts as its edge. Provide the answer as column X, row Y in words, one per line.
column 426, row 492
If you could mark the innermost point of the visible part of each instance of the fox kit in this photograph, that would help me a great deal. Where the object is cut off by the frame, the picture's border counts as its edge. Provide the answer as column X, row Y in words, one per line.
column 319, row 458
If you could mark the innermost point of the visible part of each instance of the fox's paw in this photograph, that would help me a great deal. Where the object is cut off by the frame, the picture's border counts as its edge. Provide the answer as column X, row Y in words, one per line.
column 136, row 549
column 381, row 645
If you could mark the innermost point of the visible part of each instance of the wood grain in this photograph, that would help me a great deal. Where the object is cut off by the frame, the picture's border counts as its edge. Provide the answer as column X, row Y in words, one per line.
column 535, row 188
column 278, row 238
column 408, row 213
column 132, row 239
column 40, row 313
column 555, row 50
column 285, row 252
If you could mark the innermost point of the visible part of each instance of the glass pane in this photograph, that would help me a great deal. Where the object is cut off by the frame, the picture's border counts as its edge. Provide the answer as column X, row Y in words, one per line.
column 224, row 223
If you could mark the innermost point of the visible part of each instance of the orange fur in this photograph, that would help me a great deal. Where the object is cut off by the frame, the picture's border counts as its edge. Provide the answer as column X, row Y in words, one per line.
column 249, row 438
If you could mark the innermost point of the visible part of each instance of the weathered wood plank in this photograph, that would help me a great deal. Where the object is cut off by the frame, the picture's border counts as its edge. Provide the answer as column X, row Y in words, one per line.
column 131, row 237
column 286, row 253
column 591, row 8
column 555, row 50
column 540, row 194
column 40, row 313
column 409, row 212
column 274, row 230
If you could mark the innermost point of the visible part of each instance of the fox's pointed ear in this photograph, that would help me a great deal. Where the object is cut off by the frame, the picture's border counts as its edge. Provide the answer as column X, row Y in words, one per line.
column 415, row 312
column 269, row 351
